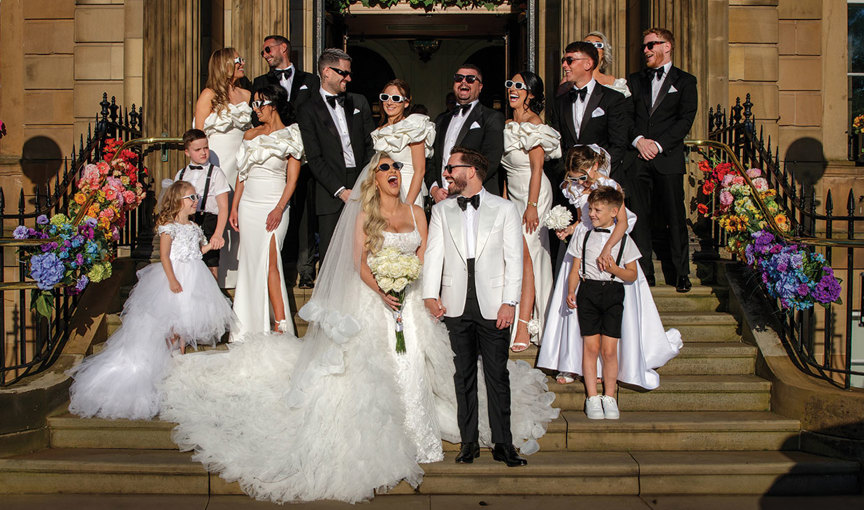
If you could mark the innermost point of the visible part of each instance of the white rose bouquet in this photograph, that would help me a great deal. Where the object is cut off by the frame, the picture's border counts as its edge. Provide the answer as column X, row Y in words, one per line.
column 557, row 218
column 394, row 271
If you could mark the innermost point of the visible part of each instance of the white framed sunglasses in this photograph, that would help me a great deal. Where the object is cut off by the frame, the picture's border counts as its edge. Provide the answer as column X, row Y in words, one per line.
column 599, row 45
column 396, row 98
column 193, row 197
column 518, row 85
column 239, row 60
column 259, row 104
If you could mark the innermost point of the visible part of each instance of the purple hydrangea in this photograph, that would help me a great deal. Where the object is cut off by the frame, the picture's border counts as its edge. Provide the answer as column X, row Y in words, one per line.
column 21, row 232
column 42, row 219
column 47, row 269
column 828, row 289
column 82, row 282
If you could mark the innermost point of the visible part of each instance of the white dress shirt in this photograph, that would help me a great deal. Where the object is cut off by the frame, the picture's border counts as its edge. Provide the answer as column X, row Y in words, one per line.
column 579, row 105
column 198, row 178
column 338, row 116
column 595, row 245
column 472, row 222
column 287, row 82
column 655, row 90
column 453, row 130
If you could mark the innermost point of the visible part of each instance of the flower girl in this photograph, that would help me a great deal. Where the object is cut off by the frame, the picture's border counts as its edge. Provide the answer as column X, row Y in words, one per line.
column 174, row 304
column 644, row 345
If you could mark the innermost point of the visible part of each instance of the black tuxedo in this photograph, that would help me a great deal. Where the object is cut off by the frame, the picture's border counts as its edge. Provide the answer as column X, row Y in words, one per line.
column 605, row 122
column 298, row 95
column 657, row 186
column 324, row 154
column 488, row 139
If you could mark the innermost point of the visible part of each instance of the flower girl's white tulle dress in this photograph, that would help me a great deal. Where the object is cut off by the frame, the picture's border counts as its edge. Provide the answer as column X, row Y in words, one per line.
column 338, row 414
column 122, row 380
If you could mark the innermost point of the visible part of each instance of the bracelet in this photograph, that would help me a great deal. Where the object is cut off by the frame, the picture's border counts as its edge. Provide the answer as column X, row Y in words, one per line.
column 532, row 203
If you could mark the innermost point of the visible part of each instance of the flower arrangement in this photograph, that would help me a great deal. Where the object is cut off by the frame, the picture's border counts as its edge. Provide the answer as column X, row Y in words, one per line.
column 791, row 273
column 557, row 218
column 858, row 124
column 394, row 271
column 74, row 255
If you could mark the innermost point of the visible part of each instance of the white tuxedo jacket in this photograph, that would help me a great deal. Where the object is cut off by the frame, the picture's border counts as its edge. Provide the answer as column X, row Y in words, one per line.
column 497, row 256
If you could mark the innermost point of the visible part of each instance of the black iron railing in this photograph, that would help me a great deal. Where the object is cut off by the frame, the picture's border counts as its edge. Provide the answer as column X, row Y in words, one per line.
column 820, row 337
column 32, row 343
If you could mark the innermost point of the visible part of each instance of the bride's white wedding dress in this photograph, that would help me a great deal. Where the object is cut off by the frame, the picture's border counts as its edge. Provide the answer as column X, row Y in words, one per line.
column 338, row 414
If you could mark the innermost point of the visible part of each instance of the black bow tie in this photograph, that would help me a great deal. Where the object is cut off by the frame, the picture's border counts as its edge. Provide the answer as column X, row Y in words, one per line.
column 464, row 201
column 654, row 73
column 332, row 100
column 282, row 74
column 196, row 167
column 581, row 94
column 606, row 230
column 462, row 109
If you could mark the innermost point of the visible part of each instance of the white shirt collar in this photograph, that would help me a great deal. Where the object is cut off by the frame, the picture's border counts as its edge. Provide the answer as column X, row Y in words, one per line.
column 590, row 86
column 324, row 94
column 286, row 68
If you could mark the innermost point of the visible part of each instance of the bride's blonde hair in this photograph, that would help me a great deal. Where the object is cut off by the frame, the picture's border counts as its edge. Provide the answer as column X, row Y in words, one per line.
column 374, row 222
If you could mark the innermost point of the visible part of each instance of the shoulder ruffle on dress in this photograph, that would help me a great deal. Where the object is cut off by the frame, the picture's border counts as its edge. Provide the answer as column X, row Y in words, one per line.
column 525, row 136
column 236, row 116
column 414, row 128
column 620, row 85
column 278, row 144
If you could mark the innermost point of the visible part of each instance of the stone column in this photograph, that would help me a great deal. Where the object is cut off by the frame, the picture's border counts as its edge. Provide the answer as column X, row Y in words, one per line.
column 578, row 17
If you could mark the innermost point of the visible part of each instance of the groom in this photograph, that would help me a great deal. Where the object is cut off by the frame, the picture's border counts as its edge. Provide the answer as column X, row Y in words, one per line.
column 473, row 262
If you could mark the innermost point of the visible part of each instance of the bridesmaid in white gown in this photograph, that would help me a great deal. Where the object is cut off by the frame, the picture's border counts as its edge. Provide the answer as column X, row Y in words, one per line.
column 601, row 72
column 527, row 144
column 407, row 139
column 269, row 163
column 223, row 113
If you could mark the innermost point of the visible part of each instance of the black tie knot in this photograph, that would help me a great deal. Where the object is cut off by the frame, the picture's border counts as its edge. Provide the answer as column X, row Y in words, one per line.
column 580, row 94
column 196, row 167
column 282, row 74
column 332, row 100
column 606, row 230
column 462, row 109
column 464, row 201
column 654, row 73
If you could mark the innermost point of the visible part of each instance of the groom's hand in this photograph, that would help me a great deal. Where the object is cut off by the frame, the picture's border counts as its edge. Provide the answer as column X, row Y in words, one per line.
column 435, row 307
column 506, row 314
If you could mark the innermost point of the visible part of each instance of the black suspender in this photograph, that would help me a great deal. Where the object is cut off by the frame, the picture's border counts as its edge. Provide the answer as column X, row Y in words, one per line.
column 203, row 202
column 617, row 259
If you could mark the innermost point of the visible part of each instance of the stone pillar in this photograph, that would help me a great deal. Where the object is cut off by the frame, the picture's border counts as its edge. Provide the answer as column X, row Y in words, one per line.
column 251, row 22
column 133, row 54
column 578, row 17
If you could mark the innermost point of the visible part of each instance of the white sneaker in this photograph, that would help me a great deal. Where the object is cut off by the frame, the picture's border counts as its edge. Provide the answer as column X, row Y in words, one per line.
column 610, row 408
column 594, row 408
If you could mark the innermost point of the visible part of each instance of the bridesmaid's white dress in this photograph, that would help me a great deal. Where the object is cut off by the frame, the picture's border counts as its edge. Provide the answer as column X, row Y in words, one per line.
column 644, row 345
column 396, row 139
column 262, row 165
column 519, row 138
column 620, row 84
column 225, row 134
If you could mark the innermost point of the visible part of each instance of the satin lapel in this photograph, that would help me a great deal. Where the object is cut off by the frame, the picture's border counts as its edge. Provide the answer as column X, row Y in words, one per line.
column 646, row 91
column 664, row 89
column 324, row 115
column 566, row 109
column 593, row 101
column 476, row 115
column 456, row 226
column 488, row 214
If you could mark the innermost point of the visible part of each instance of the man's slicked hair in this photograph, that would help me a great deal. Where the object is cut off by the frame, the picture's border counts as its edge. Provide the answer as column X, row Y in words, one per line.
column 331, row 57
column 473, row 158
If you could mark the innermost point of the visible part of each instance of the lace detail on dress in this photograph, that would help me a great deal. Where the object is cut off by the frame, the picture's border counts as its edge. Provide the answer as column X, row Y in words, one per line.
column 186, row 240
column 278, row 144
column 236, row 116
column 414, row 128
column 525, row 136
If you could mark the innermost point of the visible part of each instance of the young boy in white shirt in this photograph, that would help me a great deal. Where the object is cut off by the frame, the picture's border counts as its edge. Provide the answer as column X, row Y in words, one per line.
column 212, row 187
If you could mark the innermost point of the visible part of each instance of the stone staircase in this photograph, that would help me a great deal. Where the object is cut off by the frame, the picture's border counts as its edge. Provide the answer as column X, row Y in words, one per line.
column 708, row 429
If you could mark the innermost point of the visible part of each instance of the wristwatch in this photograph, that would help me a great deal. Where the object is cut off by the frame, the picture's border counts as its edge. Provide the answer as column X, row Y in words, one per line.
column 532, row 203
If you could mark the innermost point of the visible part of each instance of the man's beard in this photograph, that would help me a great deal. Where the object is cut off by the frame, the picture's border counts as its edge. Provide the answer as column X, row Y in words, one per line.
column 456, row 187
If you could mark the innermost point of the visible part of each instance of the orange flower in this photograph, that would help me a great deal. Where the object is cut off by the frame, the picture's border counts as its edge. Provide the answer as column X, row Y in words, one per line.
column 80, row 198
column 782, row 221
column 702, row 208
column 705, row 166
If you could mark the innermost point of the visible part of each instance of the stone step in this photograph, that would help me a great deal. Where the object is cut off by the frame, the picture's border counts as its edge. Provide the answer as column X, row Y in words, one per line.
column 701, row 298
column 572, row 431
column 98, row 471
column 680, row 393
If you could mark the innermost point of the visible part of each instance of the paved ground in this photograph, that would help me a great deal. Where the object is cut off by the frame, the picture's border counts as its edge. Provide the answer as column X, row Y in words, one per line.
column 103, row 502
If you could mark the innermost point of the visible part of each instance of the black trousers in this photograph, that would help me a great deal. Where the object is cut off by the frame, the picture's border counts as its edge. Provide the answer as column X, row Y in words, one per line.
column 326, row 227
column 470, row 335
column 659, row 198
column 298, row 250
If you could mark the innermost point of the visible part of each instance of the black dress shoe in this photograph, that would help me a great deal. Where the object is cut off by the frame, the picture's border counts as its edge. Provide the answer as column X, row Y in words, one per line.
column 306, row 284
column 468, row 452
column 651, row 281
column 684, row 284
column 506, row 453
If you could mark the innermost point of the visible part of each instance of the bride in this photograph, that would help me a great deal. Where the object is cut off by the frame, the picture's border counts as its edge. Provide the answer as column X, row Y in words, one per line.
column 339, row 414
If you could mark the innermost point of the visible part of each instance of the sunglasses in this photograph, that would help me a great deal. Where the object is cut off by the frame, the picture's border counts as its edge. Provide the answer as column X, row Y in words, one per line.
column 341, row 72
column 259, row 104
column 569, row 60
column 239, row 60
column 650, row 45
column 268, row 49
column 449, row 168
column 396, row 98
column 470, row 78
column 581, row 178
column 193, row 197
column 598, row 45
column 383, row 167
column 518, row 85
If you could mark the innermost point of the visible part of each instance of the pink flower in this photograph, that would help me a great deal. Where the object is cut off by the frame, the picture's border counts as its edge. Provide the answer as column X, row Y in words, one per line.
column 104, row 168
column 129, row 197
column 738, row 180
column 110, row 193
column 726, row 198
column 727, row 180
column 760, row 183
column 754, row 173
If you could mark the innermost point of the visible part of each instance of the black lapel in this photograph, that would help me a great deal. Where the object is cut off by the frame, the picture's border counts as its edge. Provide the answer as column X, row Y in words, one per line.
column 646, row 91
column 664, row 88
column 476, row 115
column 298, row 81
column 323, row 112
column 349, row 112
column 566, row 109
column 593, row 101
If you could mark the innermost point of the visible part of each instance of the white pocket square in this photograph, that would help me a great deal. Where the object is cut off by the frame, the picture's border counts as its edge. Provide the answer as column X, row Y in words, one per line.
column 474, row 125
column 598, row 112
column 672, row 89
column 303, row 87
column 356, row 111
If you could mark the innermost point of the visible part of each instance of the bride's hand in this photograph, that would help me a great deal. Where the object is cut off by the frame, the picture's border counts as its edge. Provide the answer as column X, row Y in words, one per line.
column 274, row 219
column 389, row 300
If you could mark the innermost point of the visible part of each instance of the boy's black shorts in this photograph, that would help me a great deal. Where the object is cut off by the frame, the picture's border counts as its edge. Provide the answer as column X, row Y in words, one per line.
column 600, row 307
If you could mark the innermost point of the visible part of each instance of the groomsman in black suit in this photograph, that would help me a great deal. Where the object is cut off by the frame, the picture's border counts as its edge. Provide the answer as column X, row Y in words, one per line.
column 335, row 126
column 665, row 101
column 470, row 125
column 589, row 112
column 298, row 253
